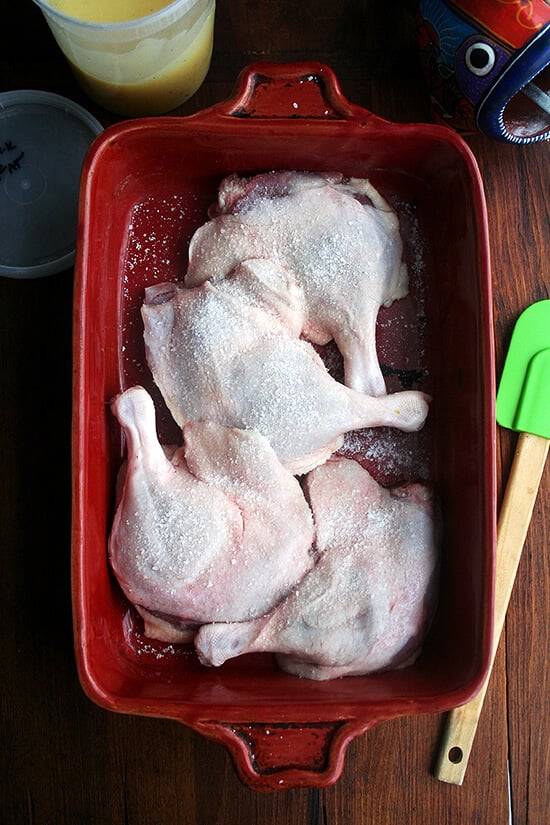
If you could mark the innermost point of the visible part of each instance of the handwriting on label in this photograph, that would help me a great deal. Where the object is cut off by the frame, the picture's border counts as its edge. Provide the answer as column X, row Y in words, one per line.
column 11, row 164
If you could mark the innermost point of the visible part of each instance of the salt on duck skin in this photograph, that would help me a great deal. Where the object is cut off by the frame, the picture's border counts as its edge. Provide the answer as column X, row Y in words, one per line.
column 366, row 604
column 215, row 530
column 337, row 238
column 231, row 352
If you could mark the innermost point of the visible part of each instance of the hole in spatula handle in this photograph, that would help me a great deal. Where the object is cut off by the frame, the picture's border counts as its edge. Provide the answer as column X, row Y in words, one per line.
column 455, row 755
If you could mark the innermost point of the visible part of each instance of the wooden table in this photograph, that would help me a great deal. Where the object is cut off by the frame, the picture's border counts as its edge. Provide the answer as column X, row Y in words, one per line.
column 66, row 760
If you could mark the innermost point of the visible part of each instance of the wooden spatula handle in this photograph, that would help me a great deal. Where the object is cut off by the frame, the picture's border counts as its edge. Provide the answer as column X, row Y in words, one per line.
column 515, row 516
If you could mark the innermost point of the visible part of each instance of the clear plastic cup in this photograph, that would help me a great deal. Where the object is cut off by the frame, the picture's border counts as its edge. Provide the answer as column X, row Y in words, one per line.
column 145, row 66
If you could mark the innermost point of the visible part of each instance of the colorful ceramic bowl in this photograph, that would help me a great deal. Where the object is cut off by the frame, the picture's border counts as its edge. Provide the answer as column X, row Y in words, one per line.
column 487, row 64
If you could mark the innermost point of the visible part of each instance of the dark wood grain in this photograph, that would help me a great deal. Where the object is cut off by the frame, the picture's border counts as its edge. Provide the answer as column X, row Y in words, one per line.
column 67, row 762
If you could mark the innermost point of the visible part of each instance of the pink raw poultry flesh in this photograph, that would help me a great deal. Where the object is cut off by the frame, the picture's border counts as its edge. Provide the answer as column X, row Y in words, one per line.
column 365, row 605
column 218, row 531
column 336, row 238
column 215, row 540
column 231, row 352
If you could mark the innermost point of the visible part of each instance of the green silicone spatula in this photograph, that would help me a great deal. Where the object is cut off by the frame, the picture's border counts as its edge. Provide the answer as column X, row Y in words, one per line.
column 523, row 404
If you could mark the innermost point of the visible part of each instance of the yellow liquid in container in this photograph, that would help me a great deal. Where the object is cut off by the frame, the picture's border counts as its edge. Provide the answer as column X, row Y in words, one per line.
column 144, row 68
column 108, row 11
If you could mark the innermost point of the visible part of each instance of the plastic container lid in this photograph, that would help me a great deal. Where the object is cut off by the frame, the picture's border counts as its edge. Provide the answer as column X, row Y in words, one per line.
column 43, row 141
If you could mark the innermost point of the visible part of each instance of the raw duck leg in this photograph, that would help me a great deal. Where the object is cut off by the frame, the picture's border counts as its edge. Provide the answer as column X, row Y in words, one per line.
column 337, row 237
column 230, row 353
column 366, row 604
column 214, row 530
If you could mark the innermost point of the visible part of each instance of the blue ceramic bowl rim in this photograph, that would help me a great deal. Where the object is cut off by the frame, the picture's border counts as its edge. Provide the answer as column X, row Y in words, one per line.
column 519, row 71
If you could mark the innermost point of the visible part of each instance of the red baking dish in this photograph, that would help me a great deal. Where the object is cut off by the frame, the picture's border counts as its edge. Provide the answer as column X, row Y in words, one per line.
column 146, row 186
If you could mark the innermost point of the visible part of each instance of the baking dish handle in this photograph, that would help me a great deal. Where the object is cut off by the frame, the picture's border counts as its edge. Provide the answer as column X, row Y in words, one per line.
column 273, row 756
column 290, row 91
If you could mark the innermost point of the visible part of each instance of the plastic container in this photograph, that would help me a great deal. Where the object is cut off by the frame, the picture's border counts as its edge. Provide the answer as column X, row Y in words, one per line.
column 147, row 185
column 43, row 141
column 145, row 66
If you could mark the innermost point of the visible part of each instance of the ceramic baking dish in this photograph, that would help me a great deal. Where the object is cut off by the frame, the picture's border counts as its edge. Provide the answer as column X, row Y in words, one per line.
column 146, row 186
